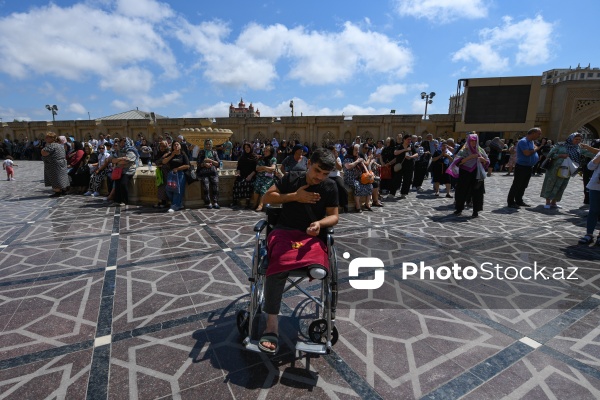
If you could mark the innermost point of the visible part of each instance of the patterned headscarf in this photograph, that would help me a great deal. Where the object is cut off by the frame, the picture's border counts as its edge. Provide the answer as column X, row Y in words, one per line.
column 471, row 148
column 573, row 149
column 130, row 146
column 208, row 152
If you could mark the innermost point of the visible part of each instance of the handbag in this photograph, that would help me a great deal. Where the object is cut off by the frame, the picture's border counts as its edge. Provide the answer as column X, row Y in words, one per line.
column 481, row 172
column 278, row 172
column 547, row 163
column 172, row 182
column 366, row 177
column 385, row 172
column 398, row 166
column 206, row 172
column 159, row 177
column 116, row 174
column 190, row 176
column 567, row 169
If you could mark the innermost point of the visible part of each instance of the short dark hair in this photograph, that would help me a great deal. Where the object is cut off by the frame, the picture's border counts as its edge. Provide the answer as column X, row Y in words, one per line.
column 323, row 158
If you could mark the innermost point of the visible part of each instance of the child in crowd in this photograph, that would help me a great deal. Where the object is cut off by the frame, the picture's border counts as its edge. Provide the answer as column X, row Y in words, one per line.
column 8, row 165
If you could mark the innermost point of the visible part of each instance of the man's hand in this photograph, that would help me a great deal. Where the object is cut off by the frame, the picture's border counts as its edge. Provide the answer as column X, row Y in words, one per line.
column 313, row 229
column 303, row 196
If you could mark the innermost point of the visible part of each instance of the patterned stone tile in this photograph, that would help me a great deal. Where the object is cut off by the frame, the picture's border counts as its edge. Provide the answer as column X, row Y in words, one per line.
column 64, row 376
column 49, row 314
column 538, row 376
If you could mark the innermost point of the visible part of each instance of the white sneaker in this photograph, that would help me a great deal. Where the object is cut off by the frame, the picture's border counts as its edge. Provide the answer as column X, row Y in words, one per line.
column 95, row 194
column 105, row 198
column 88, row 193
column 12, row 179
column 171, row 210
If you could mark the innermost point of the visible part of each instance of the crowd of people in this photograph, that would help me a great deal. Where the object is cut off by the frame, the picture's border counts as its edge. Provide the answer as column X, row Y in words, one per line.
column 389, row 169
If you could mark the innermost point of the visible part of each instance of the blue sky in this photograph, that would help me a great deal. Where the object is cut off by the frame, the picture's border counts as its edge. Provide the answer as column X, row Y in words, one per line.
column 194, row 58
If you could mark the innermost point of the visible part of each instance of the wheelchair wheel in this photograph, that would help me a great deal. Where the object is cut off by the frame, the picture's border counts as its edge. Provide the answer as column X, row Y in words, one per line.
column 242, row 321
column 317, row 332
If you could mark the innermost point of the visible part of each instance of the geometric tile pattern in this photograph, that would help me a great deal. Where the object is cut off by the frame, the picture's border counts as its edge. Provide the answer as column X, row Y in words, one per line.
column 132, row 302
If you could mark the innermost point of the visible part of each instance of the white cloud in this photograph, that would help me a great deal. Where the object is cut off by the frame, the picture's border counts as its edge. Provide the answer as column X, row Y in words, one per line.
column 442, row 11
column 316, row 58
column 386, row 93
column 146, row 9
column 483, row 53
column 128, row 80
column 81, row 41
column 529, row 39
column 121, row 105
column 76, row 108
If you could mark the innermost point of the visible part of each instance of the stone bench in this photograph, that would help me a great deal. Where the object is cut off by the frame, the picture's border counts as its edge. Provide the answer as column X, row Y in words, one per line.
column 142, row 189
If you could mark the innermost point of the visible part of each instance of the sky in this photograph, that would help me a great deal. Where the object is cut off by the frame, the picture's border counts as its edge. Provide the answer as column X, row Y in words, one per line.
column 194, row 58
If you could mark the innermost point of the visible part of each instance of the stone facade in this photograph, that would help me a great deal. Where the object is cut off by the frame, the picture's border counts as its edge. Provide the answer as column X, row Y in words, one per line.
column 558, row 106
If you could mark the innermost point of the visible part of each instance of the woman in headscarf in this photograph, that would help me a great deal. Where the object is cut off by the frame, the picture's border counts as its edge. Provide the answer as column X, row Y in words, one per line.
column 245, row 173
column 81, row 178
column 554, row 186
column 98, row 171
column 471, row 176
column 128, row 160
column 55, row 165
column 208, row 162
column 74, row 158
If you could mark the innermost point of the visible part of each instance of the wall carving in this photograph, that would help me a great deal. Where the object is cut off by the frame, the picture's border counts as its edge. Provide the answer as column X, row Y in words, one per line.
column 583, row 104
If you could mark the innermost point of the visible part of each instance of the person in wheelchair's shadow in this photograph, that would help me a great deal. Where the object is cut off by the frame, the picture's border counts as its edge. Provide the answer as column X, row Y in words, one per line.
column 309, row 205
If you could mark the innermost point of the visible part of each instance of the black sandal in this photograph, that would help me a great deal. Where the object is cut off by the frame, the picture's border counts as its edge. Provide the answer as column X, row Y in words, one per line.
column 272, row 338
column 587, row 239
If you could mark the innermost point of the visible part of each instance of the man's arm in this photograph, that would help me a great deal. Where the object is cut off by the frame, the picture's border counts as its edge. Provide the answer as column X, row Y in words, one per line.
column 528, row 152
column 273, row 196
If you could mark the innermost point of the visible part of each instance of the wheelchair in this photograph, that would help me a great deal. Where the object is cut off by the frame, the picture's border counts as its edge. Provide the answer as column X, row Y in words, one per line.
column 322, row 332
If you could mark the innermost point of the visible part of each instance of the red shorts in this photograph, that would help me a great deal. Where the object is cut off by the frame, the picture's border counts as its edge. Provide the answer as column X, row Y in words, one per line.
column 9, row 171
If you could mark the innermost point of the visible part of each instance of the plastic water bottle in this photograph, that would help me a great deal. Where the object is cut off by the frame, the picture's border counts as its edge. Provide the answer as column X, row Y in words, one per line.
column 149, row 165
column 220, row 164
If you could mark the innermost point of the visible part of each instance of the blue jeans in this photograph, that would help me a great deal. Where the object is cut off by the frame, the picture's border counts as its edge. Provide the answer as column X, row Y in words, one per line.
column 594, row 212
column 176, row 199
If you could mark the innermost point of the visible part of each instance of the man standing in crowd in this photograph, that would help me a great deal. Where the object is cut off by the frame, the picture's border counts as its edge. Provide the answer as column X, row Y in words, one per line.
column 527, row 157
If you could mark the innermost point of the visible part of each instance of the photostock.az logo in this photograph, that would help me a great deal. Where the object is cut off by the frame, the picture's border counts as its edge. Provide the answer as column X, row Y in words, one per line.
column 365, row 262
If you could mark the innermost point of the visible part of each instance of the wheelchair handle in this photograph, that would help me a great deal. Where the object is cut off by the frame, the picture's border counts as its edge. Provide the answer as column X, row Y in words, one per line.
column 260, row 225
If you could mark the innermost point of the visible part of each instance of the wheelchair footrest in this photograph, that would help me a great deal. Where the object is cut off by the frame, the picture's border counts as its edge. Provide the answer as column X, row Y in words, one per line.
column 313, row 348
column 252, row 345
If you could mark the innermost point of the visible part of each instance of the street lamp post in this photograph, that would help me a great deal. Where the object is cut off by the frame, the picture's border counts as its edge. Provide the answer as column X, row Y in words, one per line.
column 53, row 109
column 427, row 98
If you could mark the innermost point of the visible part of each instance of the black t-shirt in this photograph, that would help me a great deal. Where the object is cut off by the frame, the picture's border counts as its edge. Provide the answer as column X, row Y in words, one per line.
column 408, row 163
column 295, row 214
column 178, row 160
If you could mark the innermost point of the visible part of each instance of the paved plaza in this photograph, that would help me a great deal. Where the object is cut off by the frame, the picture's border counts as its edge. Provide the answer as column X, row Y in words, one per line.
column 130, row 302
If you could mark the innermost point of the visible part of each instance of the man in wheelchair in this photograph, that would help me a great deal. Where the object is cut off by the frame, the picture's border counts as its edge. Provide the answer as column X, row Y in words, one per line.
column 309, row 205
